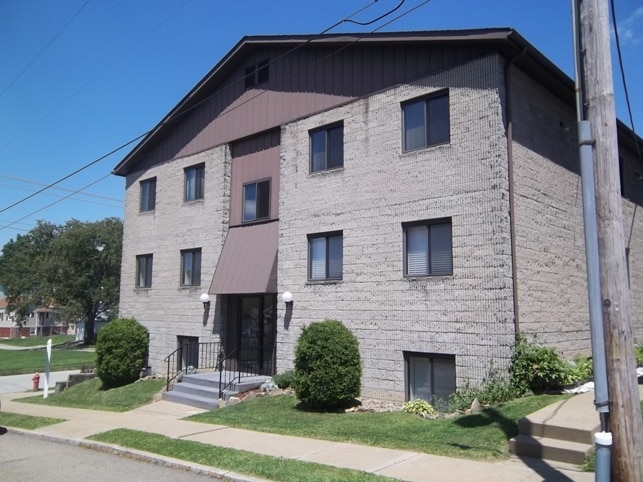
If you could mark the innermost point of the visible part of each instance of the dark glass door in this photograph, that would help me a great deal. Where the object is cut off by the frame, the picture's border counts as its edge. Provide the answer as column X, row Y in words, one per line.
column 257, row 333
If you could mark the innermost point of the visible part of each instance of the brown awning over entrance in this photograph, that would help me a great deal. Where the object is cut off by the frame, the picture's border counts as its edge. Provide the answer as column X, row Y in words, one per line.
column 248, row 261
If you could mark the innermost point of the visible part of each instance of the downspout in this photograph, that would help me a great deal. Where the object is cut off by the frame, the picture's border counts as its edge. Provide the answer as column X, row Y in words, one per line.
column 510, row 176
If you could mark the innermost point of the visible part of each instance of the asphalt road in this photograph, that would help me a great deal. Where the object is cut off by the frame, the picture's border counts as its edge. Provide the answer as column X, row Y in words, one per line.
column 25, row 458
column 24, row 383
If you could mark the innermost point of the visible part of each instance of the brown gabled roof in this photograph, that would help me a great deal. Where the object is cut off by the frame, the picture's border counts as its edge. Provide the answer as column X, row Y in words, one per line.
column 506, row 41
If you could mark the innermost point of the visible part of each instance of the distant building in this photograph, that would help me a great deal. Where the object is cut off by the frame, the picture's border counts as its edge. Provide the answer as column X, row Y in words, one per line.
column 421, row 187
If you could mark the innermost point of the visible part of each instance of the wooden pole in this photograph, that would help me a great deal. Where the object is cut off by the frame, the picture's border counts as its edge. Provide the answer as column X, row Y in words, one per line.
column 625, row 413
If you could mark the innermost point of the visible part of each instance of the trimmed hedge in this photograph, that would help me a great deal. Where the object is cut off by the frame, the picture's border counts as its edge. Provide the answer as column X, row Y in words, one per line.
column 328, row 366
column 121, row 352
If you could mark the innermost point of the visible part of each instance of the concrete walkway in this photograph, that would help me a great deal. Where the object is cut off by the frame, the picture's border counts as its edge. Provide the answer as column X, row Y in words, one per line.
column 164, row 418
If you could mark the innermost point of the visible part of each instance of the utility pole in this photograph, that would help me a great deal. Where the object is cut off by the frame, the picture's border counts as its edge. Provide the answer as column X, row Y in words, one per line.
column 625, row 414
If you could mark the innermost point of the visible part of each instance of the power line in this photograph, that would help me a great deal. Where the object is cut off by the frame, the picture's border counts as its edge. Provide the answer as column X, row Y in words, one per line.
column 629, row 107
column 28, row 181
column 42, row 51
column 179, row 114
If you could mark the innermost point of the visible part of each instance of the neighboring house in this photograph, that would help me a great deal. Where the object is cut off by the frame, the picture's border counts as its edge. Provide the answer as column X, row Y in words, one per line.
column 40, row 322
column 421, row 187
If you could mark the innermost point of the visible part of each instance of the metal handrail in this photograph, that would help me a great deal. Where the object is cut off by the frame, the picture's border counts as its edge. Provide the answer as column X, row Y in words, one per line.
column 208, row 356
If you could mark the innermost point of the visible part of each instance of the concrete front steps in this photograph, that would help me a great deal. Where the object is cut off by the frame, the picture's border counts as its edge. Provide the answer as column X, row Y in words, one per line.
column 561, row 432
column 202, row 390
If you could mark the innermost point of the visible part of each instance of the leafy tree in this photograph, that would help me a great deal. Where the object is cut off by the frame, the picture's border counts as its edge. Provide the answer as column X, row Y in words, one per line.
column 84, row 269
column 22, row 269
column 75, row 267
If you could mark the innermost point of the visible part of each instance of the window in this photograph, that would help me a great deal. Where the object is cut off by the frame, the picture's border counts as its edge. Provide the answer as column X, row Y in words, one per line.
column 191, row 267
column 327, row 148
column 257, row 74
column 144, row 271
column 148, row 195
column 429, row 377
column 194, row 181
column 426, row 122
column 325, row 257
column 428, row 248
column 256, row 201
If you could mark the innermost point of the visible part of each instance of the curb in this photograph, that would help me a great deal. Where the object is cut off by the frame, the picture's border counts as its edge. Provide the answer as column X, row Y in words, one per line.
column 148, row 457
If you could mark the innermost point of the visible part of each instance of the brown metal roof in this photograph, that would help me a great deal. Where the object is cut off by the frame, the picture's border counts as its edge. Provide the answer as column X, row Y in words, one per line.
column 248, row 261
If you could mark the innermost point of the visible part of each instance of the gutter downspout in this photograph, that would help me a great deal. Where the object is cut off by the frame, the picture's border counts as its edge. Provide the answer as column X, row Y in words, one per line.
column 510, row 176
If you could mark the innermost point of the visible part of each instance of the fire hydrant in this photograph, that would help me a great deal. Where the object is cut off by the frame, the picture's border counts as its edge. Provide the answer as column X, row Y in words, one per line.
column 36, row 381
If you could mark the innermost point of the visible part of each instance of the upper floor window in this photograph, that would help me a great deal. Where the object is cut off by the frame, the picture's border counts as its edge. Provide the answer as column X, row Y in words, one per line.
column 194, row 182
column 426, row 121
column 428, row 248
column 327, row 148
column 148, row 195
column 144, row 271
column 325, row 256
column 256, row 74
column 256, row 201
column 191, row 267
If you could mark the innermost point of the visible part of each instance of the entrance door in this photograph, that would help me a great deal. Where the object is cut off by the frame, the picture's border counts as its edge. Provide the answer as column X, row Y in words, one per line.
column 188, row 352
column 257, row 333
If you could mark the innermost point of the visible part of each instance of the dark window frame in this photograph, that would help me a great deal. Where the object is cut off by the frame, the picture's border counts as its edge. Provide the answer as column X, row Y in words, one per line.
column 431, row 271
column 329, row 237
column 262, row 204
column 198, row 192
column 256, row 74
column 147, row 201
column 430, row 106
column 431, row 357
column 191, row 276
column 333, row 152
column 144, row 265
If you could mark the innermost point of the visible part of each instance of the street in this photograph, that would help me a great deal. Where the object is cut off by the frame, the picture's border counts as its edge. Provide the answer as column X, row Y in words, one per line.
column 25, row 458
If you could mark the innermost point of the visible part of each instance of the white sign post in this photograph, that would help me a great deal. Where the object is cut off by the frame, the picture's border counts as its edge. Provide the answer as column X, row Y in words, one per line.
column 47, row 361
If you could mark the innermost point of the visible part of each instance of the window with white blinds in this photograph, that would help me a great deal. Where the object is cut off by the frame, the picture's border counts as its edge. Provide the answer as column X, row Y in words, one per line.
column 428, row 248
column 325, row 257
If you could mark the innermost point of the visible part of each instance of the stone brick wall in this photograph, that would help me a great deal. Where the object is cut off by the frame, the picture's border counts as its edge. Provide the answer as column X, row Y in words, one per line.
column 468, row 314
column 167, row 309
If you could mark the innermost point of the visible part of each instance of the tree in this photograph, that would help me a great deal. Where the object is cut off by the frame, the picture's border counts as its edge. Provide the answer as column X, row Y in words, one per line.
column 84, row 269
column 75, row 267
column 21, row 269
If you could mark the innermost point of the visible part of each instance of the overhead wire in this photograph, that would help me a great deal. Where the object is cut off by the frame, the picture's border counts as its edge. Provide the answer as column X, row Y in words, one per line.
column 173, row 116
column 44, row 49
column 628, row 104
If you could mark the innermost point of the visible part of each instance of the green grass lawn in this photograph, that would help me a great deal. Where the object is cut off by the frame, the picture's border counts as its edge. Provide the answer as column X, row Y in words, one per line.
column 264, row 466
column 90, row 395
column 481, row 436
column 37, row 340
column 15, row 362
column 26, row 422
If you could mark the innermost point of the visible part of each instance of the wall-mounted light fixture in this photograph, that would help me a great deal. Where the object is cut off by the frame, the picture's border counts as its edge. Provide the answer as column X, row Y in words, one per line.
column 287, row 297
column 205, row 299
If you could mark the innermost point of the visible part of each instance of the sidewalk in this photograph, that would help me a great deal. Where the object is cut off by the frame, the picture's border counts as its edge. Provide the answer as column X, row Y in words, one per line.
column 164, row 418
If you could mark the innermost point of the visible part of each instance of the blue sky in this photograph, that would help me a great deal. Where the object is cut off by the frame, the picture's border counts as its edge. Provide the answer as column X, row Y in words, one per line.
column 80, row 78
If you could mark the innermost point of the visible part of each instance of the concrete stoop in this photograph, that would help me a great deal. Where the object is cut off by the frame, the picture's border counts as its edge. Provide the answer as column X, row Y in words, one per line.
column 561, row 432
column 202, row 390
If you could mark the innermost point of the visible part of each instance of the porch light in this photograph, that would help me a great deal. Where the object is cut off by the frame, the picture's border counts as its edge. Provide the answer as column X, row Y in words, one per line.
column 205, row 299
column 287, row 297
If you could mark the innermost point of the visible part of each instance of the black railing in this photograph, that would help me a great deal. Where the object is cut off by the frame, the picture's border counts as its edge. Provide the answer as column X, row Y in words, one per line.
column 190, row 357
column 209, row 356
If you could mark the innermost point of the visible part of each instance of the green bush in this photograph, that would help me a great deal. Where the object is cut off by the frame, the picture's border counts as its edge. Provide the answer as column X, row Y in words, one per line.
column 328, row 367
column 536, row 368
column 638, row 352
column 284, row 380
column 492, row 392
column 121, row 352
column 419, row 407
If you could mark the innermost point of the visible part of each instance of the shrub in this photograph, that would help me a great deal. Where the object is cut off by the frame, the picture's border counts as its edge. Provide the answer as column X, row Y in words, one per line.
column 284, row 380
column 328, row 367
column 419, row 407
column 638, row 352
column 121, row 352
column 492, row 392
column 536, row 368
